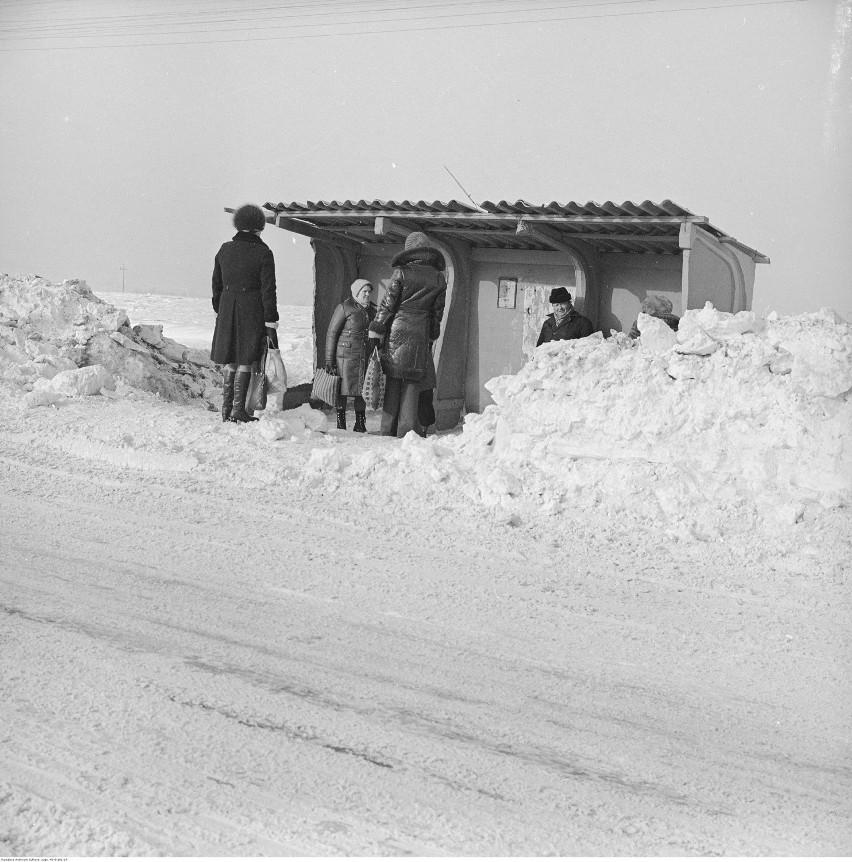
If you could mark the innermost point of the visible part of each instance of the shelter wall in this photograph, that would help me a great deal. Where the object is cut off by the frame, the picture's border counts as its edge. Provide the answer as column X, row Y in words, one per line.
column 334, row 271
column 481, row 340
column 627, row 279
column 495, row 335
column 718, row 273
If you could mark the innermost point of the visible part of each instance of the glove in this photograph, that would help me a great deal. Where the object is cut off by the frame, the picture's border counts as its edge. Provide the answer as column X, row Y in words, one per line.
column 331, row 368
column 272, row 335
column 373, row 344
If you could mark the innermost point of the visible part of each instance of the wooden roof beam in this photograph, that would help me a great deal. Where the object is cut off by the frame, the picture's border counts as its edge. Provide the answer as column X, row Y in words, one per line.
column 557, row 240
column 543, row 234
column 385, row 226
column 313, row 232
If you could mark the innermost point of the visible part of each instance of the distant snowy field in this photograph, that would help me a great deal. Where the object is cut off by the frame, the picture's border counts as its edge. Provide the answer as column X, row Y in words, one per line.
column 190, row 320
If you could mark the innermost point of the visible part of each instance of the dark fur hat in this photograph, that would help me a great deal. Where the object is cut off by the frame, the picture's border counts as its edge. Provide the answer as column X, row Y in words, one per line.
column 249, row 217
column 418, row 247
column 417, row 239
column 423, row 254
column 559, row 294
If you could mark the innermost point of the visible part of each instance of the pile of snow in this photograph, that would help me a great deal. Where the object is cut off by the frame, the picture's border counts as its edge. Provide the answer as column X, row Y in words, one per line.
column 191, row 320
column 728, row 417
column 61, row 341
column 731, row 423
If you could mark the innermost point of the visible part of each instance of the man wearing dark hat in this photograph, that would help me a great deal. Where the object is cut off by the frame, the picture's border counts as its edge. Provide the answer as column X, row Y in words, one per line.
column 565, row 322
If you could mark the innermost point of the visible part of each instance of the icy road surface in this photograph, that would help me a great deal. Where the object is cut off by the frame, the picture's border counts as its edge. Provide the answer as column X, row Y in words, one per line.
column 190, row 666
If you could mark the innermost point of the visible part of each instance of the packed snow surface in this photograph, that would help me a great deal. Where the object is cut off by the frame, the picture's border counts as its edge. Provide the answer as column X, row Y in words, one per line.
column 607, row 616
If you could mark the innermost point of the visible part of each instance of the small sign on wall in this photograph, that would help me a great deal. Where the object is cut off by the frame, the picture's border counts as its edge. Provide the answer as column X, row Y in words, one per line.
column 507, row 292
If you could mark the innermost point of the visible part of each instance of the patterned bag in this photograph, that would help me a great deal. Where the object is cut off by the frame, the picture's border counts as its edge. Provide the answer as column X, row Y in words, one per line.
column 373, row 391
column 326, row 387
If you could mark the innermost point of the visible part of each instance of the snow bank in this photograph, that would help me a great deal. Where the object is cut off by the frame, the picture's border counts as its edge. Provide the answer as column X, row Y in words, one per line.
column 732, row 423
column 732, row 416
column 61, row 341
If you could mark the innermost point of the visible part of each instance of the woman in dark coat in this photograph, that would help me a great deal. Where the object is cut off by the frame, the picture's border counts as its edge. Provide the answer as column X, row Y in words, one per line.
column 346, row 350
column 244, row 300
column 409, row 321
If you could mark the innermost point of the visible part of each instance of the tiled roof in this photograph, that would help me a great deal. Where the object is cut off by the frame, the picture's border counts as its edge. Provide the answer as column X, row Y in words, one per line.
column 372, row 207
column 627, row 209
column 609, row 227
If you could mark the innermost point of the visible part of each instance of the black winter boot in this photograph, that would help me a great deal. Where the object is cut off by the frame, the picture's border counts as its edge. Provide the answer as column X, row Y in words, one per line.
column 341, row 419
column 227, row 394
column 360, row 421
column 241, row 385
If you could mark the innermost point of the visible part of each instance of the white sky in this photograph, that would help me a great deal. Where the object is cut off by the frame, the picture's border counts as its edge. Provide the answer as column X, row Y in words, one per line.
column 121, row 154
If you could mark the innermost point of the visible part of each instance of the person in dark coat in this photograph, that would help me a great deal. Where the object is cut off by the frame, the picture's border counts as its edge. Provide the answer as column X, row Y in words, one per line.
column 565, row 323
column 656, row 306
column 244, row 299
column 346, row 350
column 408, row 322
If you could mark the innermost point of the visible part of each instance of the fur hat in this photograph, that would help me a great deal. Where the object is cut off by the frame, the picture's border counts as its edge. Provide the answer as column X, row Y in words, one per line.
column 417, row 240
column 655, row 305
column 559, row 294
column 249, row 217
column 418, row 247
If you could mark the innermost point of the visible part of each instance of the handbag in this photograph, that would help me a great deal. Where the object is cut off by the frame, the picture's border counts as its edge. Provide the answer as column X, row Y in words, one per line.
column 326, row 387
column 256, row 396
column 373, row 390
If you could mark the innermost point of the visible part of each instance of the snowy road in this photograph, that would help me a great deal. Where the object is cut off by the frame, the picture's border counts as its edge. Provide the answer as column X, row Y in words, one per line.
column 340, row 680
column 334, row 681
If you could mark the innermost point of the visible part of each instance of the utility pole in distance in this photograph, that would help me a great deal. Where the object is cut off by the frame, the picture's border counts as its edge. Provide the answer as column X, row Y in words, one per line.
column 123, row 269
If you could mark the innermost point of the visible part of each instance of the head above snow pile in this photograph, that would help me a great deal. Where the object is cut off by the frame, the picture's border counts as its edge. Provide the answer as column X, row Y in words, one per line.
column 249, row 217
column 361, row 290
column 656, row 305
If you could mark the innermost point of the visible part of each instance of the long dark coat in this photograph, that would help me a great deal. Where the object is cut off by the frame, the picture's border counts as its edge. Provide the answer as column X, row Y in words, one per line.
column 409, row 315
column 346, row 343
column 574, row 325
column 244, row 299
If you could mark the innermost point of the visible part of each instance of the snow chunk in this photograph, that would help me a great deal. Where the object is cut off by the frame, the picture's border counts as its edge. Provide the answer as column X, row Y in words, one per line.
column 291, row 423
column 657, row 335
column 78, row 382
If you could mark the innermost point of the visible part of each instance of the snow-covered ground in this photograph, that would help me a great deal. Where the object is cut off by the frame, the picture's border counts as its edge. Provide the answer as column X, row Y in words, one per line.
column 611, row 616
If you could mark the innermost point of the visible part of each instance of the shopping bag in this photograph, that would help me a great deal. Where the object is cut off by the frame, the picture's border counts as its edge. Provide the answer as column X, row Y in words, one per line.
column 276, row 373
column 256, row 397
column 326, row 387
column 373, row 391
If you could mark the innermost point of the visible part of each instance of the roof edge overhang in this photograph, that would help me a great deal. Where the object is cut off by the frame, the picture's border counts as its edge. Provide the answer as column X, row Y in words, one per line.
column 625, row 228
